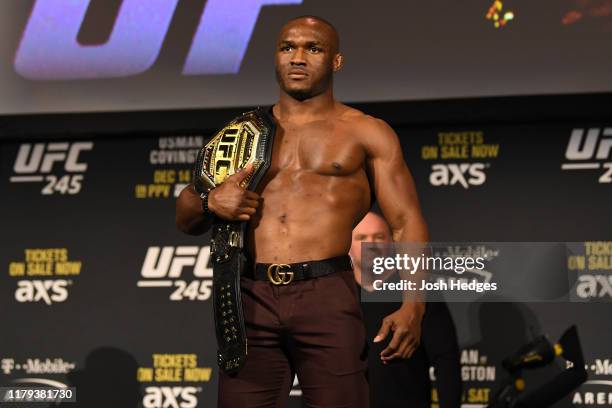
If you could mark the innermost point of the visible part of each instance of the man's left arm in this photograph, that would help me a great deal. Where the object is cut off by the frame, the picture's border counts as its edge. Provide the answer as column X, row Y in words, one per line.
column 397, row 197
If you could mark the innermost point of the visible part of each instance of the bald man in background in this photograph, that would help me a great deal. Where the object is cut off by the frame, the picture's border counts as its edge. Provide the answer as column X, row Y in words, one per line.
column 406, row 383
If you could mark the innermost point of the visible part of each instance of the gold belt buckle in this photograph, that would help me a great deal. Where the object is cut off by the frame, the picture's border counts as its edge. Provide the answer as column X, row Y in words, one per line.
column 278, row 276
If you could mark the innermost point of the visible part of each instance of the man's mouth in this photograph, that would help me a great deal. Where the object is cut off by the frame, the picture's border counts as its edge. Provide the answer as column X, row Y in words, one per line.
column 297, row 74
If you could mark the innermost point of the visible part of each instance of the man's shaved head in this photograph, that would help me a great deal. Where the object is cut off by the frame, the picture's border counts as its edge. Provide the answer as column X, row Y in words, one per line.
column 310, row 19
column 307, row 57
column 372, row 228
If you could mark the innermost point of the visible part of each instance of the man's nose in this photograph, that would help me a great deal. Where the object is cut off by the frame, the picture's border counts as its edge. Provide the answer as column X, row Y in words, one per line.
column 298, row 57
column 375, row 249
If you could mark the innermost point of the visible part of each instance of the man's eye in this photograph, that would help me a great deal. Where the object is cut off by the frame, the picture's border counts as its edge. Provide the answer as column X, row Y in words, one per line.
column 286, row 48
column 314, row 49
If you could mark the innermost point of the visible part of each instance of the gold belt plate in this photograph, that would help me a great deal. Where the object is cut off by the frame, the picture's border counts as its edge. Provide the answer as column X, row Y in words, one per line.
column 231, row 149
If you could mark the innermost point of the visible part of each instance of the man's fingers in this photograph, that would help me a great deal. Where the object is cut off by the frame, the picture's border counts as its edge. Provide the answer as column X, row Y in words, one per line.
column 250, row 195
column 404, row 354
column 410, row 348
column 404, row 351
column 394, row 344
column 249, row 210
column 384, row 330
column 248, row 203
column 406, row 348
column 409, row 351
column 244, row 217
column 243, row 173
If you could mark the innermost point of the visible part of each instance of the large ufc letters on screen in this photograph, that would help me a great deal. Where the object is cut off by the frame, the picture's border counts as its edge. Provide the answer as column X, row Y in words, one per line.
column 49, row 49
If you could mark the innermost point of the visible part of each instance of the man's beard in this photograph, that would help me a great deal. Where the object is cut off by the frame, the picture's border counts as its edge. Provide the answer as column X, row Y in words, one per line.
column 302, row 94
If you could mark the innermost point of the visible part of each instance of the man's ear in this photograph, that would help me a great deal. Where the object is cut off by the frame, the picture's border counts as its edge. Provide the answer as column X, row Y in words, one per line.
column 338, row 62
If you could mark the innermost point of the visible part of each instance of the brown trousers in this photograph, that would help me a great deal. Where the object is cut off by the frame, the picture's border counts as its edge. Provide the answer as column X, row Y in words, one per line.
column 312, row 328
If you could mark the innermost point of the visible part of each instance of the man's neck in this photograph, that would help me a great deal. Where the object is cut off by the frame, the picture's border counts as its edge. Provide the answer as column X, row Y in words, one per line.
column 293, row 110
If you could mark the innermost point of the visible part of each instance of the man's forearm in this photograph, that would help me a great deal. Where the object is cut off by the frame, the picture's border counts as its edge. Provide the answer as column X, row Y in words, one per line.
column 190, row 216
column 413, row 232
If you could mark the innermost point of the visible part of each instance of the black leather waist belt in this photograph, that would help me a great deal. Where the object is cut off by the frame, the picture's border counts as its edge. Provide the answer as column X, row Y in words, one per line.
column 284, row 274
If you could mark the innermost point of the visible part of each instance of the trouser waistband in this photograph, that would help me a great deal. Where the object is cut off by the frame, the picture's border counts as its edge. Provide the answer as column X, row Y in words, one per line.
column 283, row 274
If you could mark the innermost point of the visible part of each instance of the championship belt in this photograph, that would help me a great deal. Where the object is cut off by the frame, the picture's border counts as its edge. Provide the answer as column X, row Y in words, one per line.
column 245, row 140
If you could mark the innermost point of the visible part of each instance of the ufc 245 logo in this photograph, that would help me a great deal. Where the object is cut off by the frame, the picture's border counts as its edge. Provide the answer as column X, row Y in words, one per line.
column 464, row 174
column 589, row 150
column 49, row 162
column 49, row 48
column 164, row 267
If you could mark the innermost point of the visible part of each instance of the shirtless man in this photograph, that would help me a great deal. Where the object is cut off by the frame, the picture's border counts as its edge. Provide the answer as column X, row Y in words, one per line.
column 327, row 161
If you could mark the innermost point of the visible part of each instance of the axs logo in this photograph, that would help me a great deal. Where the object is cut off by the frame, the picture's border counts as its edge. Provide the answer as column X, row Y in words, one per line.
column 48, row 291
column 175, row 397
column 49, row 49
column 464, row 174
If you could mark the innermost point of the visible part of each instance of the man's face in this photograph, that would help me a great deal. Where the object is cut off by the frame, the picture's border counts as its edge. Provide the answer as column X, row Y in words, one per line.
column 306, row 57
column 372, row 228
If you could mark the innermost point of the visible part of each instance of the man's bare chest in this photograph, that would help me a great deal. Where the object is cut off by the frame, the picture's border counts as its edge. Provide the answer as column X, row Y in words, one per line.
column 324, row 149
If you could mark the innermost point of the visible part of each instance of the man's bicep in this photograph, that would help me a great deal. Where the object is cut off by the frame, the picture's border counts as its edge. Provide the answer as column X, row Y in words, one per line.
column 395, row 190
column 393, row 183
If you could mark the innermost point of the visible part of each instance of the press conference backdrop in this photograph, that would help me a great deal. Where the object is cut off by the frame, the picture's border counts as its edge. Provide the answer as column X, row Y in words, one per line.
column 118, row 55
column 100, row 291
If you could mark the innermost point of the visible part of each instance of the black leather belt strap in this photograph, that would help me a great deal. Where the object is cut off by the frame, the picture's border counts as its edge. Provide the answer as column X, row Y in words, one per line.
column 246, row 140
column 283, row 274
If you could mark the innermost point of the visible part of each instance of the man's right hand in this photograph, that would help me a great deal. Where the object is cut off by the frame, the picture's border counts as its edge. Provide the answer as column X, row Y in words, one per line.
column 230, row 201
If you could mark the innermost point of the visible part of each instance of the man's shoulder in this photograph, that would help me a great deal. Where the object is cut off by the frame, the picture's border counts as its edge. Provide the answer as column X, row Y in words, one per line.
column 361, row 119
column 367, row 127
column 374, row 134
